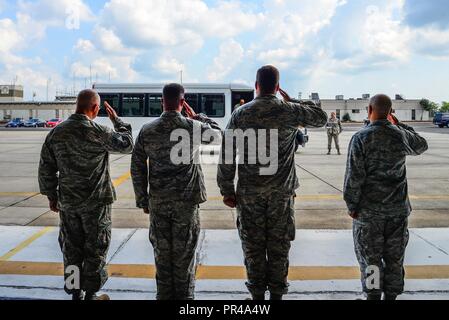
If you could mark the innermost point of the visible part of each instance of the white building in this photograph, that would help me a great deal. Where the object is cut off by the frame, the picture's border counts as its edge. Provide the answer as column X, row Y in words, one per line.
column 357, row 109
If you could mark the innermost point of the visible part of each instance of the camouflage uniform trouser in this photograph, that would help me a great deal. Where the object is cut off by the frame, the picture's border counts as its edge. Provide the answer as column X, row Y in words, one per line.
column 381, row 242
column 266, row 226
column 333, row 137
column 84, row 238
column 174, row 233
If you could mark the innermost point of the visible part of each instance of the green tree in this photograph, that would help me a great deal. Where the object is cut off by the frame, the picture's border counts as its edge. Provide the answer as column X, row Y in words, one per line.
column 444, row 107
column 347, row 117
column 429, row 105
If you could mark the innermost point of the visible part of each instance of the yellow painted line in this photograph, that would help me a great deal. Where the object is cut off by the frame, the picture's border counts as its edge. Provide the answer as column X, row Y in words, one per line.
column 18, row 194
column 122, row 179
column 25, row 243
column 220, row 272
column 324, row 197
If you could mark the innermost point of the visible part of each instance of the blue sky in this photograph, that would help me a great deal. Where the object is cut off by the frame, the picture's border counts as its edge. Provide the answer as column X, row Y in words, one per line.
column 333, row 47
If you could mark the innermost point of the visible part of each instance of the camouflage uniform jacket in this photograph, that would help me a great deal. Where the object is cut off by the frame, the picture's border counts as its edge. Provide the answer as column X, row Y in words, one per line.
column 74, row 165
column 334, row 127
column 376, row 177
column 267, row 113
column 155, row 176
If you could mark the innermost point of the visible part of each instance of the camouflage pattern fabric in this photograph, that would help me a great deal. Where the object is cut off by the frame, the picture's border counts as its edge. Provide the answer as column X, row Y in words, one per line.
column 336, row 139
column 74, row 169
column 269, row 112
column 174, row 233
column 74, row 166
column 153, row 173
column 85, row 236
column 266, row 226
column 381, row 242
column 334, row 127
column 173, row 193
column 376, row 189
column 266, row 223
column 376, row 175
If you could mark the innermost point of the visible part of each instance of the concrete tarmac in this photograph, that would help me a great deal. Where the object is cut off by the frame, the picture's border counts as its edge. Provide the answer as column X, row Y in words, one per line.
column 319, row 204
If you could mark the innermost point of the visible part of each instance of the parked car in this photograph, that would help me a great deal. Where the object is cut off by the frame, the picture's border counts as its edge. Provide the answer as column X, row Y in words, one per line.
column 34, row 123
column 441, row 120
column 15, row 123
column 53, row 123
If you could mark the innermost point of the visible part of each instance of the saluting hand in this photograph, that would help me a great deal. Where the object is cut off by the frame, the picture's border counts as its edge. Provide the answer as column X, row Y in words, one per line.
column 392, row 118
column 189, row 111
column 285, row 95
column 111, row 112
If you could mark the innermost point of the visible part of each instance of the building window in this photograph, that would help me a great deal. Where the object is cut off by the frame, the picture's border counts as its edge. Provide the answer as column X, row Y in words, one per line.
column 155, row 105
column 356, row 111
column 213, row 105
column 133, row 105
column 112, row 99
column 192, row 100
column 413, row 115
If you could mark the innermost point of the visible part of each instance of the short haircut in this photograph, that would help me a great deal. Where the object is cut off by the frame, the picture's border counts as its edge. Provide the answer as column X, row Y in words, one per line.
column 173, row 93
column 268, row 79
column 86, row 99
column 381, row 104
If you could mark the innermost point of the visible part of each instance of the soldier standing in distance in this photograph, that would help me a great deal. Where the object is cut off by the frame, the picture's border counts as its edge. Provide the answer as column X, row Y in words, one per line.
column 334, row 129
column 376, row 194
column 74, row 175
column 175, row 193
column 265, row 204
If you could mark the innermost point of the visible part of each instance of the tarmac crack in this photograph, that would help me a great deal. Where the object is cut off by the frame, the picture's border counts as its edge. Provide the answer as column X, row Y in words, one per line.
column 430, row 243
column 122, row 245
column 319, row 178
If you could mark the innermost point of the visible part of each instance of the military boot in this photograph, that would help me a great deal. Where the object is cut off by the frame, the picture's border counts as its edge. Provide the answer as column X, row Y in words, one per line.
column 78, row 295
column 93, row 296
column 390, row 297
column 329, row 153
column 275, row 297
column 258, row 297
column 374, row 297
column 339, row 153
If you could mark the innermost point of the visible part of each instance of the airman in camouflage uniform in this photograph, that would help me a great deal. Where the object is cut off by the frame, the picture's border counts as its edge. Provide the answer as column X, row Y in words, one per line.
column 334, row 129
column 265, row 203
column 74, row 175
column 172, row 193
column 376, row 194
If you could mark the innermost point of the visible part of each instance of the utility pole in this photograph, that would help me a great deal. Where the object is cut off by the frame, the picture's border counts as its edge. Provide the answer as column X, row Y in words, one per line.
column 48, row 85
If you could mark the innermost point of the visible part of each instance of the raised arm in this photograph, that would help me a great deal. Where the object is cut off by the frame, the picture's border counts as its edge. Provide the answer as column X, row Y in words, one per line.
column 355, row 176
column 415, row 144
column 305, row 113
column 119, row 140
column 139, row 173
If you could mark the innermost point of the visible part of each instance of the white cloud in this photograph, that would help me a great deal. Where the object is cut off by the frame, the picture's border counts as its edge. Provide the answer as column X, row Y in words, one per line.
column 84, row 46
column 152, row 23
column 55, row 13
column 168, row 66
column 288, row 26
column 101, row 69
column 230, row 55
